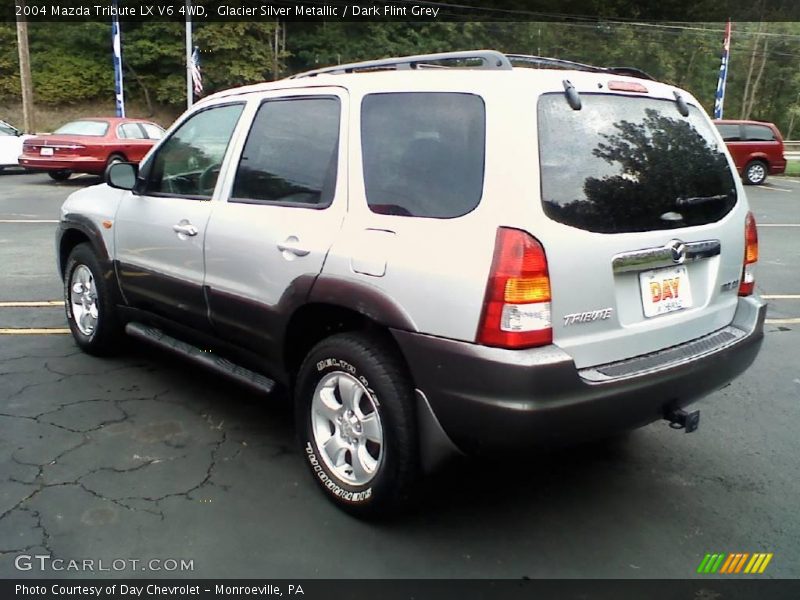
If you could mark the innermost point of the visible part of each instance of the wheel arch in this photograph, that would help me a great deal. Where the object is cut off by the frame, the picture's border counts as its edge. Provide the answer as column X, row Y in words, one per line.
column 77, row 229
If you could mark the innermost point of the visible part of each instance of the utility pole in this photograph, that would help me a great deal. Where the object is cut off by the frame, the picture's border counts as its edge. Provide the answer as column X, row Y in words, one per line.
column 25, row 71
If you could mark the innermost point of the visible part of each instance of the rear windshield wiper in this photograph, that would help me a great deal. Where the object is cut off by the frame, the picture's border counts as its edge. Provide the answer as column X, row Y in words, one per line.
column 694, row 200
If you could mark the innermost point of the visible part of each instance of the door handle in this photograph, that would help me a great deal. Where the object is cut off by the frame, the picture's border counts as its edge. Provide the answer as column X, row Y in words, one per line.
column 185, row 228
column 292, row 245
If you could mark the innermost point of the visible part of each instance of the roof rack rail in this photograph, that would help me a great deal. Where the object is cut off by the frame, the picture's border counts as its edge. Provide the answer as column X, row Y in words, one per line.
column 490, row 59
column 569, row 64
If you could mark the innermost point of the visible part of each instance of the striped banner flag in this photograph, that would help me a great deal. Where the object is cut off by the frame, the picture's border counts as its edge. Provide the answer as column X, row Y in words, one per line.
column 719, row 100
column 197, row 76
column 116, row 45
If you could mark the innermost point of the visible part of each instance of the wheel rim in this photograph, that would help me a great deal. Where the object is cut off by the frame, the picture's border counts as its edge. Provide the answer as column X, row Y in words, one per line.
column 347, row 428
column 83, row 299
column 756, row 173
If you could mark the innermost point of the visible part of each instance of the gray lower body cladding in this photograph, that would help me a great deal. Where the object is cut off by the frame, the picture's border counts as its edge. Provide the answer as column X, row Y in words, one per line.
column 490, row 398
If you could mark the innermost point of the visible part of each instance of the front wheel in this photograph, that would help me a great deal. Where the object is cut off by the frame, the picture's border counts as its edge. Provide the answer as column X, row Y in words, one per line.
column 355, row 418
column 755, row 173
column 90, row 304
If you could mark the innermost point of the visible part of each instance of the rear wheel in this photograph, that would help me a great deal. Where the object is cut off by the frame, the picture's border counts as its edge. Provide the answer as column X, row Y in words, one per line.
column 755, row 173
column 90, row 304
column 61, row 175
column 355, row 418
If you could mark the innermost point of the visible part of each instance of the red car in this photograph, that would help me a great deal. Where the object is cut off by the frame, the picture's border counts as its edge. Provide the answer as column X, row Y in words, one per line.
column 89, row 146
column 756, row 147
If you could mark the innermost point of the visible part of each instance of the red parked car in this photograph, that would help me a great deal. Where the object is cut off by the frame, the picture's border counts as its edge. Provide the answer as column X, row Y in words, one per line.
column 756, row 147
column 89, row 146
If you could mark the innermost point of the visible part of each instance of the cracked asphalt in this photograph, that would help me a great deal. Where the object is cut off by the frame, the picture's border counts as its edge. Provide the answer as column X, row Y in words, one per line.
column 146, row 457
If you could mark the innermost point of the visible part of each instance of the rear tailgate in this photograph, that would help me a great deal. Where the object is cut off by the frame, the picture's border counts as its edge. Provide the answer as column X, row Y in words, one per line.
column 646, row 228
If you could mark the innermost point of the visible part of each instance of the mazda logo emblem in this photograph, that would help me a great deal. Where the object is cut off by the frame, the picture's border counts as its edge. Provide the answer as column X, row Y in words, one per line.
column 678, row 251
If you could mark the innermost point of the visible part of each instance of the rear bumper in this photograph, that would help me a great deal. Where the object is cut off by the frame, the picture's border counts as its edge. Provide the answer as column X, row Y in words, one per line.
column 777, row 167
column 83, row 164
column 489, row 398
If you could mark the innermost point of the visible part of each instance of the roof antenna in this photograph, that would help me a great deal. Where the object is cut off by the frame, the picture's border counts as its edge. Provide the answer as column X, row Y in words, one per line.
column 573, row 99
column 683, row 108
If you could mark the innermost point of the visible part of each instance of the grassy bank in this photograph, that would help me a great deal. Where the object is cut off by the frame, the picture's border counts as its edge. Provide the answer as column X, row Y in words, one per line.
column 793, row 168
column 49, row 118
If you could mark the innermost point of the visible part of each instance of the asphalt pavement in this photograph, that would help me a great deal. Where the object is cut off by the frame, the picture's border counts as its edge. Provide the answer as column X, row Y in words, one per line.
column 144, row 457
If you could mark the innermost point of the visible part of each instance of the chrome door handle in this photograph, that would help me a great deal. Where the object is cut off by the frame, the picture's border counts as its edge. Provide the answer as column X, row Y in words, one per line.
column 292, row 245
column 185, row 229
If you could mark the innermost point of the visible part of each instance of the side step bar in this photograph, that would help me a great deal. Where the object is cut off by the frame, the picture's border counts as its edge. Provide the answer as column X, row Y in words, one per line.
column 208, row 359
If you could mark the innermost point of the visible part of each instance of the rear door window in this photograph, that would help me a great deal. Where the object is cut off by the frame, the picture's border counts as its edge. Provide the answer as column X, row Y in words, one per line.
column 291, row 153
column 623, row 164
column 423, row 153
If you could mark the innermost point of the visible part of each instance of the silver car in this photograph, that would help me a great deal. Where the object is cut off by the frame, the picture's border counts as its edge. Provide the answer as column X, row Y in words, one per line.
column 433, row 261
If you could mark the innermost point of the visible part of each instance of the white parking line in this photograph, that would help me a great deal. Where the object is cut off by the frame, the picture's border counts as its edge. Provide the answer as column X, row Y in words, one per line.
column 36, row 304
column 775, row 189
column 28, row 220
column 781, row 296
column 795, row 321
column 779, row 225
column 33, row 331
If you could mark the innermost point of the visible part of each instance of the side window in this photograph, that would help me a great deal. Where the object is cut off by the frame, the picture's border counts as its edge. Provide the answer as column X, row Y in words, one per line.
column 188, row 163
column 130, row 131
column 154, row 132
column 730, row 133
column 291, row 153
column 758, row 133
column 423, row 153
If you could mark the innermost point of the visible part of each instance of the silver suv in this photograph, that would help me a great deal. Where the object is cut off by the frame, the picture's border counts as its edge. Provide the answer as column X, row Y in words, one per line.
column 432, row 260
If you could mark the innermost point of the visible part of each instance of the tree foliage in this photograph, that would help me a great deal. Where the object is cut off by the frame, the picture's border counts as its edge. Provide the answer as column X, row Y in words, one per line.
column 71, row 62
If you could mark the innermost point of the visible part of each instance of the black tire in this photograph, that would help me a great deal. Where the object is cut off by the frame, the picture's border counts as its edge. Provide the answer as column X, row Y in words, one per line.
column 61, row 175
column 106, row 336
column 387, row 390
column 755, row 173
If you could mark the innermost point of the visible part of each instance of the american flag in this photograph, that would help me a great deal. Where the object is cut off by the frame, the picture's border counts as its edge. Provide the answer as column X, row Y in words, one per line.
column 719, row 100
column 197, row 76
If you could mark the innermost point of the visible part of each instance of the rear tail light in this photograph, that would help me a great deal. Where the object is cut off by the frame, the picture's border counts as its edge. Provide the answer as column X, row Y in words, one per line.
column 516, row 307
column 748, row 281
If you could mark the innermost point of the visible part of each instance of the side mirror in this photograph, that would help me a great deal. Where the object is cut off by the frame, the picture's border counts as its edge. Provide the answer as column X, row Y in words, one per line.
column 122, row 175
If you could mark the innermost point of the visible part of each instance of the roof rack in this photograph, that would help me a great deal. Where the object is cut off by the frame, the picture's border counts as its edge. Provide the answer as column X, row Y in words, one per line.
column 569, row 64
column 489, row 59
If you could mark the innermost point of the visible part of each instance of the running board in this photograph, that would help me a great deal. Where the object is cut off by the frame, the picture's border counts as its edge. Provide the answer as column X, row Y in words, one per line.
column 206, row 358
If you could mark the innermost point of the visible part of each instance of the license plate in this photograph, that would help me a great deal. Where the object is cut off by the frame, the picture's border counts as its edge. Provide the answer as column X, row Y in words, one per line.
column 46, row 152
column 665, row 290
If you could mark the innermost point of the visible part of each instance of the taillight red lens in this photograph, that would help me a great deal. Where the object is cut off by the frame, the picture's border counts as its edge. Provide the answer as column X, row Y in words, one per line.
column 516, row 306
column 747, row 283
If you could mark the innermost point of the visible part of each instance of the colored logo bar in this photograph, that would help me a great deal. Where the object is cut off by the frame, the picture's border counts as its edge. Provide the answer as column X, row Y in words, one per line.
column 735, row 563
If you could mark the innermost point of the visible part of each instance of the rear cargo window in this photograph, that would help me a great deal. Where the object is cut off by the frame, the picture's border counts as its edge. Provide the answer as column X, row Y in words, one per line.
column 423, row 153
column 623, row 164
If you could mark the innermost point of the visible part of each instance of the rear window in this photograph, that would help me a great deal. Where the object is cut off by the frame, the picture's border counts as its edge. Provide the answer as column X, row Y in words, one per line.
column 423, row 153
column 623, row 164
column 758, row 133
column 95, row 128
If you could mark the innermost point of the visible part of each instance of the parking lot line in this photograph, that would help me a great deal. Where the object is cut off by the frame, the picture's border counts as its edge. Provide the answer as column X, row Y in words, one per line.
column 795, row 321
column 779, row 225
column 774, row 189
column 35, row 304
column 781, row 296
column 33, row 331
column 28, row 220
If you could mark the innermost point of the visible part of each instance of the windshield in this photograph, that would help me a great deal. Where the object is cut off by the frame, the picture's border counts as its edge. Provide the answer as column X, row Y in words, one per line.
column 96, row 128
column 624, row 164
column 6, row 129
